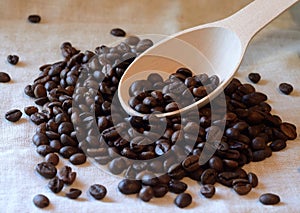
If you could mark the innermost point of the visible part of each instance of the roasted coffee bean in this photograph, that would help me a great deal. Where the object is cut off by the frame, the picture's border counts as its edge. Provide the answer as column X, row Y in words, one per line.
column 34, row 19
column 38, row 118
column 176, row 171
column 258, row 155
column 160, row 190
column 78, row 158
column 216, row 163
column 289, row 130
column 254, row 98
column 241, row 187
column 226, row 178
column 146, row 194
column 177, row 187
column 43, row 150
column 41, row 201
column 183, row 200
column 191, row 163
column 164, row 179
column 258, row 143
column 13, row 59
column 254, row 77
column 73, row 193
column 47, row 170
column 118, row 32
column 269, row 199
column 40, row 139
column 117, row 166
column 209, row 176
column 4, row 77
column 68, row 151
column 30, row 110
column 286, row 88
column 154, row 78
column 13, row 115
column 127, row 186
column 253, row 180
column 66, row 175
column 277, row 145
column 65, row 128
column 52, row 158
column 147, row 179
column 97, row 191
column 55, row 185
column 208, row 190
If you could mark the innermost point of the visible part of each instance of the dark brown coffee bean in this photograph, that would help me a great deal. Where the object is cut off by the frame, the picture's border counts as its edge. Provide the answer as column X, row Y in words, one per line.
column 289, row 130
column 117, row 166
column 13, row 59
column 269, row 199
column 216, row 163
column 242, row 188
column 177, row 187
column 154, row 78
column 132, row 40
column 68, row 151
column 146, row 194
column 73, row 193
column 30, row 110
column 160, row 190
column 55, row 185
column 209, row 176
column 118, row 32
column 34, row 19
column 147, row 179
column 258, row 155
column 78, row 158
column 127, row 186
column 40, row 139
column 258, row 143
column 277, row 145
column 66, row 175
column 41, row 201
column 183, row 200
column 286, row 88
column 97, row 191
column 254, row 98
column 38, row 118
column 208, row 190
column 43, row 150
column 52, row 158
column 4, row 77
column 253, row 180
column 191, row 163
column 176, row 171
column 254, row 77
column 47, row 170
column 13, row 115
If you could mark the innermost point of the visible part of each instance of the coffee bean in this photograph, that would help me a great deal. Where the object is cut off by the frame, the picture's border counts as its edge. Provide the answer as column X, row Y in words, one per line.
column 77, row 159
column 55, row 185
column 191, row 163
column 160, row 190
column 47, row 170
column 41, row 201
column 127, row 186
column 278, row 145
column 209, row 176
column 183, row 200
column 52, row 158
column 4, row 77
column 208, row 190
column 216, row 163
column 13, row 115
column 30, row 110
column 242, row 188
column 116, row 166
column 38, row 118
column 289, row 130
column 73, row 193
column 68, row 151
column 269, row 199
column 97, row 191
column 286, row 88
column 118, row 32
column 43, row 150
column 146, row 194
column 40, row 139
column 66, row 175
column 253, row 180
column 13, row 59
column 34, row 19
column 254, row 77
column 177, row 187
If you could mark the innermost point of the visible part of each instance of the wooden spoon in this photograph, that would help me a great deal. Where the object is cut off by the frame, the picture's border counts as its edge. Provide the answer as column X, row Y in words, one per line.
column 214, row 48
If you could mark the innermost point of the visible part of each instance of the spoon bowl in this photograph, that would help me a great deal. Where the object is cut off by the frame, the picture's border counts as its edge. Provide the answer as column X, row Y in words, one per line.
column 215, row 49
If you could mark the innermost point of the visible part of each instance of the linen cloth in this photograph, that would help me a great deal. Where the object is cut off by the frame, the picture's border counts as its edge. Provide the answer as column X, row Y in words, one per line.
column 274, row 53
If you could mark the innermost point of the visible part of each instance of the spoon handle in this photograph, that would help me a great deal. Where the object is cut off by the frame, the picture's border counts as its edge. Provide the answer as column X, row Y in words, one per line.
column 252, row 18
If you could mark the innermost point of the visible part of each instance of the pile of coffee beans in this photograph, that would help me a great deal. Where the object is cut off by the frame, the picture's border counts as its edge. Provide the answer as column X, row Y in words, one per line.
column 181, row 89
column 75, row 121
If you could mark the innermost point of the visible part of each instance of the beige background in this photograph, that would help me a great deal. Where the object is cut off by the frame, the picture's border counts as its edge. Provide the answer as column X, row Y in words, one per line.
column 274, row 53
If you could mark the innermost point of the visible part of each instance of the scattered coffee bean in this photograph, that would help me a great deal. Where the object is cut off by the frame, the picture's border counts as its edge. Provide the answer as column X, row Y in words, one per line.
column 254, row 77
column 208, row 190
column 146, row 193
column 52, row 158
column 97, row 191
column 55, row 185
column 4, row 77
column 160, row 190
column 253, row 180
column 269, row 199
column 41, row 201
column 127, row 186
column 73, row 193
column 13, row 115
column 30, row 110
column 118, row 32
column 77, row 159
column 66, row 175
column 13, row 59
column 34, row 19
column 177, row 187
column 45, row 169
column 286, row 88
column 183, row 200
column 241, row 187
